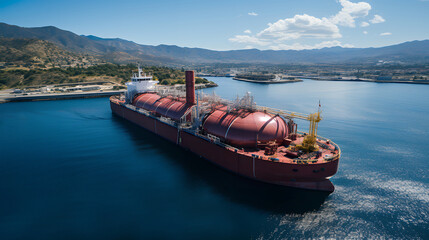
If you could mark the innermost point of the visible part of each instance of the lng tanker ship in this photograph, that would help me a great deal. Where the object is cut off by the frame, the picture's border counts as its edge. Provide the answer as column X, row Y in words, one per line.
column 256, row 142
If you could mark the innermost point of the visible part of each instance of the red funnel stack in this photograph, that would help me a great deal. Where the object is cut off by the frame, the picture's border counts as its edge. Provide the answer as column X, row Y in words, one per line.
column 190, row 87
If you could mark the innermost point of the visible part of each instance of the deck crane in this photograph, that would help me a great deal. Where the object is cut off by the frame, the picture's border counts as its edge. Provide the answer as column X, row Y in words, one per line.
column 309, row 142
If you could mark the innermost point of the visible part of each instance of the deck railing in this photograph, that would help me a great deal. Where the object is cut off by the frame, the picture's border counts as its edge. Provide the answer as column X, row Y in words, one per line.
column 217, row 141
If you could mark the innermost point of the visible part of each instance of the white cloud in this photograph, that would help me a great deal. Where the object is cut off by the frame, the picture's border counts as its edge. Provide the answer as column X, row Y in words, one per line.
column 385, row 34
column 364, row 24
column 299, row 46
column 248, row 40
column 377, row 19
column 301, row 26
column 349, row 12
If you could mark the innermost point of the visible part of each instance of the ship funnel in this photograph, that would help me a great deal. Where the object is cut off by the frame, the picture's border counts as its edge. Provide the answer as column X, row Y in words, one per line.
column 190, row 87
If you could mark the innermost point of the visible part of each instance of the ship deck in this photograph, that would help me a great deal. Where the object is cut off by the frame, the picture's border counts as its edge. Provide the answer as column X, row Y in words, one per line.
column 327, row 152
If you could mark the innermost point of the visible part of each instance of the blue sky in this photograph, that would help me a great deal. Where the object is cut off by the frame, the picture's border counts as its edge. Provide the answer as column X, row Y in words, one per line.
column 225, row 25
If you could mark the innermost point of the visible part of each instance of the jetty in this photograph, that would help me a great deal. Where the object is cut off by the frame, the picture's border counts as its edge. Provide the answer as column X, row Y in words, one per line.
column 17, row 95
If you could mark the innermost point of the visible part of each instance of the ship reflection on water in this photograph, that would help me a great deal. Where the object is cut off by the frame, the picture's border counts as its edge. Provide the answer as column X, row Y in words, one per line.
column 261, row 196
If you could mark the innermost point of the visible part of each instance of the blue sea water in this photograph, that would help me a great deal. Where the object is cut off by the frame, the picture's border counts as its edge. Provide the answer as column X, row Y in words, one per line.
column 70, row 169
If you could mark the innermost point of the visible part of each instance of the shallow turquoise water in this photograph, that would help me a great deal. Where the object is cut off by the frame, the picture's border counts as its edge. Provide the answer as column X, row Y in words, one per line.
column 70, row 169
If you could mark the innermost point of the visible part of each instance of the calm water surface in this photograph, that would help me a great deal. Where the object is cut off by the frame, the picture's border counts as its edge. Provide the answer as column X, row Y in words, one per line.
column 71, row 170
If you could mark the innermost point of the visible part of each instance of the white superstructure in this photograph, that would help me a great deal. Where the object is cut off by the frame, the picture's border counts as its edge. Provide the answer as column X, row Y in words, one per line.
column 140, row 83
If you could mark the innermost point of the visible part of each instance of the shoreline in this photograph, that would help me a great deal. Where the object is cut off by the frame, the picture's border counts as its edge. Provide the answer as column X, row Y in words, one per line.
column 268, row 82
column 62, row 96
column 56, row 96
column 366, row 80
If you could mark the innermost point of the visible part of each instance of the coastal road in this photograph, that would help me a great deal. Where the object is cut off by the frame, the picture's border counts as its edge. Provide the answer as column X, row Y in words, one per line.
column 8, row 96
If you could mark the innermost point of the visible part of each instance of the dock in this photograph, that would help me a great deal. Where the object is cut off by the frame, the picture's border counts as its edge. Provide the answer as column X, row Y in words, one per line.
column 9, row 96
column 56, row 96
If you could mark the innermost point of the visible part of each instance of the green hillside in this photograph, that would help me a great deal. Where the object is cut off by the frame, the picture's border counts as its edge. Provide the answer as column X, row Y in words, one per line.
column 19, row 78
column 33, row 53
column 29, row 62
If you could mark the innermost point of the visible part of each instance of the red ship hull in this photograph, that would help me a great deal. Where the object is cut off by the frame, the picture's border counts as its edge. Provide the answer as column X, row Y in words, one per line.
column 304, row 176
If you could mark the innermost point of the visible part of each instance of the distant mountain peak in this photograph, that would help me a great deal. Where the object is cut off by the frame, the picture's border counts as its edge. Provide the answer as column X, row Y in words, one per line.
column 120, row 51
column 106, row 39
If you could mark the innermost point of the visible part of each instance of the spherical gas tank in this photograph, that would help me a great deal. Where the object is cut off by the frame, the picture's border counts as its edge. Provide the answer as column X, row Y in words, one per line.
column 245, row 128
column 164, row 106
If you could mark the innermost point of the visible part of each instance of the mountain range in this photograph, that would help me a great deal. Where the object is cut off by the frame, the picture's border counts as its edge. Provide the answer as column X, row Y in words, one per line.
column 122, row 51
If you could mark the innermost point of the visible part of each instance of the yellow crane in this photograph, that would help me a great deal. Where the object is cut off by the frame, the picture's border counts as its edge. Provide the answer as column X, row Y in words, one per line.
column 309, row 142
